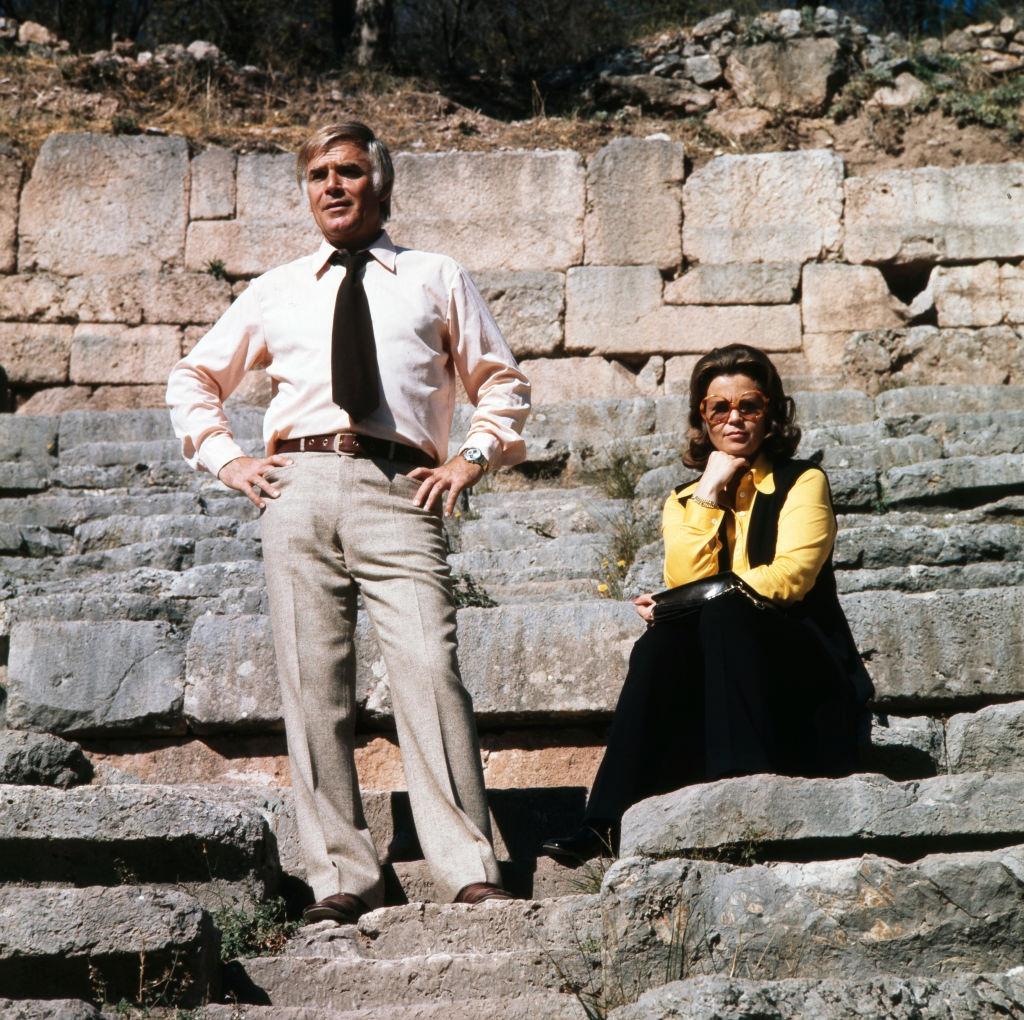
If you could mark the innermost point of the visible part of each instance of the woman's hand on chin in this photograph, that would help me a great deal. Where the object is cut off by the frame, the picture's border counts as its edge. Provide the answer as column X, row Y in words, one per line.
column 644, row 605
column 721, row 469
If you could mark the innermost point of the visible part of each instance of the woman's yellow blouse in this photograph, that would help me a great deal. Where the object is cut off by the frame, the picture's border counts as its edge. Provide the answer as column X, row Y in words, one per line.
column 807, row 529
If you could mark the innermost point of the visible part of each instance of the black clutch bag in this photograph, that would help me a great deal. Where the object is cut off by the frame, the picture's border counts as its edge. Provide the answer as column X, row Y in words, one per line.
column 688, row 598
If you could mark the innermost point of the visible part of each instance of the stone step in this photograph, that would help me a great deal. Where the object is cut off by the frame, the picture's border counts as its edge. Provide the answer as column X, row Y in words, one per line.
column 553, row 662
column 416, row 980
column 771, row 817
column 958, row 997
column 851, row 919
column 423, row 929
column 208, row 841
column 536, row 1006
column 107, row 942
column 50, row 1009
column 991, row 739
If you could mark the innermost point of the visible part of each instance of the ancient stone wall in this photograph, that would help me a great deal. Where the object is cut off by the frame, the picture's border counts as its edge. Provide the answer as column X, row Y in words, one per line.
column 609, row 275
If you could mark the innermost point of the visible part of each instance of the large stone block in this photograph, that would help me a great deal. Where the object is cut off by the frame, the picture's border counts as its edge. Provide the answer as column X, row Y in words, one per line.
column 132, row 298
column 212, row 194
column 772, row 207
column 791, row 75
column 10, row 187
column 699, row 328
column 615, row 310
column 634, row 204
column 553, row 380
column 31, row 297
column 495, row 210
column 959, row 997
column 528, row 307
column 937, row 400
column 736, row 283
column 835, row 297
column 122, row 354
column 878, row 359
column 121, row 205
column 986, row 294
column 944, row 647
column 273, row 223
column 778, row 816
column 114, row 939
column 989, row 739
column 41, row 759
column 941, row 916
column 231, row 675
column 936, row 214
column 34, row 353
column 94, row 677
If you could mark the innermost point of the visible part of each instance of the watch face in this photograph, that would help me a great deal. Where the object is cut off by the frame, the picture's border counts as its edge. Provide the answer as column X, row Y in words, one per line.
column 474, row 457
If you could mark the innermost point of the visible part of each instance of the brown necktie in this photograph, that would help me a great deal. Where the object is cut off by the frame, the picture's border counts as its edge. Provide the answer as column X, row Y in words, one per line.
column 355, row 378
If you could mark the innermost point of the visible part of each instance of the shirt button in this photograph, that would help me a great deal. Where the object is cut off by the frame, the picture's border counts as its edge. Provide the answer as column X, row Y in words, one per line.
column 742, row 513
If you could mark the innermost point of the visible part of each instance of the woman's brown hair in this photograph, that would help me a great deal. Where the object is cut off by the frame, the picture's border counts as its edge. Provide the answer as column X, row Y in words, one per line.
column 782, row 436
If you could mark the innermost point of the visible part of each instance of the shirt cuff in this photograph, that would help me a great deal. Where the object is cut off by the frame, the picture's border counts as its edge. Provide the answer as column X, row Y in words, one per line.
column 488, row 445
column 218, row 450
column 702, row 517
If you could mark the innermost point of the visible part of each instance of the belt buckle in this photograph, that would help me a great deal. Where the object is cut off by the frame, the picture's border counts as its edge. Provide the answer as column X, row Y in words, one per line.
column 336, row 443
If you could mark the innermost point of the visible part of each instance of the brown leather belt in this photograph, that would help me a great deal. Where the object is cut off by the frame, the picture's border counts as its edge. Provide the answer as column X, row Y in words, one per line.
column 356, row 446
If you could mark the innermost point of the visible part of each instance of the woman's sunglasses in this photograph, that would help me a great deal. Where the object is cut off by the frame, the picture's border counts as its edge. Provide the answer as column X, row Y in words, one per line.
column 750, row 406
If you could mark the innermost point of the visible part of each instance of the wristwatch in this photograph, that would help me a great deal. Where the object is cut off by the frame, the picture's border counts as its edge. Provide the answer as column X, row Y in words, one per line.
column 475, row 456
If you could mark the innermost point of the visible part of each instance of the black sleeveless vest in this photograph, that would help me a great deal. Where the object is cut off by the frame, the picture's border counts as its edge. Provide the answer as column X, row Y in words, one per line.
column 819, row 610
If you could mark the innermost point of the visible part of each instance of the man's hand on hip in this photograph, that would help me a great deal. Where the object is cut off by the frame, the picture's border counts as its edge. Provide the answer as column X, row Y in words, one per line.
column 245, row 474
column 453, row 477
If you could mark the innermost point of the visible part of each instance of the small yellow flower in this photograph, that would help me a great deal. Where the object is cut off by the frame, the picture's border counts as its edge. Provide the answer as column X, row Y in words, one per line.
column 604, row 564
column 621, row 563
column 458, row 513
column 603, row 588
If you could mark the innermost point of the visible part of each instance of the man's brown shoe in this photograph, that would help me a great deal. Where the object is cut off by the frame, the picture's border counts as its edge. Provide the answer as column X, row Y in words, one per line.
column 343, row 908
column 477, row 892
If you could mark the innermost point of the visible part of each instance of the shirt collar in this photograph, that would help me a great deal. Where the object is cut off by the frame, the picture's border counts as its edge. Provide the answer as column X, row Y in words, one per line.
column 383, row 249
column 764, row 480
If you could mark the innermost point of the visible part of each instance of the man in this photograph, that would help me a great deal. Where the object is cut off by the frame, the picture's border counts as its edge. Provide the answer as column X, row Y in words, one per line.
column 362, row 341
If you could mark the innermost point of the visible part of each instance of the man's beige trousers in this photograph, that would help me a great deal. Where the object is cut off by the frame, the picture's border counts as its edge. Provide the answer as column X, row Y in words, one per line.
column 340, row 524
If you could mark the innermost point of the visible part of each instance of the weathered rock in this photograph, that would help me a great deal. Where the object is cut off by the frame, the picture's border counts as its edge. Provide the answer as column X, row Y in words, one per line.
column 213, row 841
column 797, row 76
column 500, row 210
column 775, row 817
column 737, row 283
column 117, row 354
column 739, row 124
column 960, row 997
column 35, row 353
column 906, row 91
column 944, row 647
column 49, row 1009
column 835, row 297
column 704, row 70
column 663, row 95
column 883, row 358
column 836, row 407
column 56, row 400
column 528, row 307
column 907, row 748
column 880, row 455
column 556, row 379
column 988, row 739
column 773, row 207
column 880, row 544
column 935, row 400
column 272, row 225
column 942, row 916
column 41, row 759
column 212, row 193
column 520, row 1006
column 81, row 677
column 231, row 676
column 935, row 214
column 10, row 186
column 69, row 230
column 115, row 939
column 646, row 229
column 953, row 480
column 28, row 297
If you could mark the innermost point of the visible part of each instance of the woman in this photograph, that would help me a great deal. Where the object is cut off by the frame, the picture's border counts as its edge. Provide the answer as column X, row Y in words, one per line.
column 767, row 681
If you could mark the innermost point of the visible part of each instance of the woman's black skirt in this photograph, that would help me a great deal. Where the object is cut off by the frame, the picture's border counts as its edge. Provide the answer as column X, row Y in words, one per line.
column 732, row 689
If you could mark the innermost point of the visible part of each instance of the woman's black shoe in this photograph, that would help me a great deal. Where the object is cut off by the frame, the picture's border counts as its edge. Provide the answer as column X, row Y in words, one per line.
column 593, row 839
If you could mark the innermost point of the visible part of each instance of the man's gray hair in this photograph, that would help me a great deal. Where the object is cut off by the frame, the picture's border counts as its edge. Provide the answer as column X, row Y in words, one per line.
column 382, row 170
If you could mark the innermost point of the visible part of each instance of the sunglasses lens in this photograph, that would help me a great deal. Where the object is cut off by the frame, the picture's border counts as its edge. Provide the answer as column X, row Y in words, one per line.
column 751, row 407
column 717, row 410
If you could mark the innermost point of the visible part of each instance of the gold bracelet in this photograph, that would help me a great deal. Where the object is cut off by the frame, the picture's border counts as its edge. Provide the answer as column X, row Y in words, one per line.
column 707, row 503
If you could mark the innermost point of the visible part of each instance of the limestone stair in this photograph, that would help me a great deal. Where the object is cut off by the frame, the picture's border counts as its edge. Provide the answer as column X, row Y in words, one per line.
column 133, row 620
